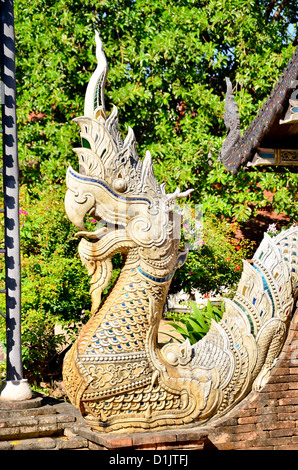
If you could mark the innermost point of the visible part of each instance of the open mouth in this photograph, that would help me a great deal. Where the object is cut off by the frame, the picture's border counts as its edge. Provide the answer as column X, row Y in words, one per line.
column 103, row 228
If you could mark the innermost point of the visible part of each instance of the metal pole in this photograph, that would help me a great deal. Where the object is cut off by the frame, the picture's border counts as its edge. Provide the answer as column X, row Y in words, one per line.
column 15, row 387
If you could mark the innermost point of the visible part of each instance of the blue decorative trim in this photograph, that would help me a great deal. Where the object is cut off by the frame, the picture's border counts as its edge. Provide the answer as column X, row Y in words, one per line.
column 156, row 279
column 87, row 179
column 267, row 155
column 248, row 316
column 181, row 260
column 266, row 288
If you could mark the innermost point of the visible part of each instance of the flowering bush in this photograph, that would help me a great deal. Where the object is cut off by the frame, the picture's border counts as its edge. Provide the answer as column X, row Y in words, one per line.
column 216, row 264
column 272, row 230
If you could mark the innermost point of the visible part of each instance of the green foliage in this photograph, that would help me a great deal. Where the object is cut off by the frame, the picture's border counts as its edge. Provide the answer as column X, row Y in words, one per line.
column 54, row 279
column 167, row 66
column 40, row 345
column 217, row 262
column 196, row 324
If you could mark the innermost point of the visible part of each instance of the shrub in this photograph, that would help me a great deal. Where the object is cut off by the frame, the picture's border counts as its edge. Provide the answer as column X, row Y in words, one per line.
column 216, row 264
column 197, row 322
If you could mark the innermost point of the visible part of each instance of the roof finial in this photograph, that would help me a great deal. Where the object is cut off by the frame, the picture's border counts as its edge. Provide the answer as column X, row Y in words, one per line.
column 232, row 123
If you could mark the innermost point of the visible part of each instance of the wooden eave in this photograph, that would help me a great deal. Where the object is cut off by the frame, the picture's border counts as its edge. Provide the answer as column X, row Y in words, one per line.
column 265, row 130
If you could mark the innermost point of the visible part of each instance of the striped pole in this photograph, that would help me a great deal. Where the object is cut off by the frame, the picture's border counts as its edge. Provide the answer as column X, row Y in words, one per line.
column 15, row 387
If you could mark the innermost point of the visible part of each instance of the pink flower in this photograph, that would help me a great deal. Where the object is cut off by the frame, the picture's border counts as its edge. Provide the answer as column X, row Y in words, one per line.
column 272, row 228
column 21, row 211
column 185, row 226
column 93, row 221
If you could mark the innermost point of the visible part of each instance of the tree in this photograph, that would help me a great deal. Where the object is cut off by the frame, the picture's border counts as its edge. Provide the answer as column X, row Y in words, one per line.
column 168, row 62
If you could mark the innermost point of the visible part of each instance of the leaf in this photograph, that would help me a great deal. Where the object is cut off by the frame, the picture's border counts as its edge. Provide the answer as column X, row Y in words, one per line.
column 180, row 329
column 197, row 327
column 171, row 336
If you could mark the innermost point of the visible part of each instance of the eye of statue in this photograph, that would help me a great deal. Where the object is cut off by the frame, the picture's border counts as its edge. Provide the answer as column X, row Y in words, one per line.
column 119, row 185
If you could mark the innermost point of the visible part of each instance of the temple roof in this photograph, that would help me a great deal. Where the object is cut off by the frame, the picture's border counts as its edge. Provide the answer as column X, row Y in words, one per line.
column 266, row 130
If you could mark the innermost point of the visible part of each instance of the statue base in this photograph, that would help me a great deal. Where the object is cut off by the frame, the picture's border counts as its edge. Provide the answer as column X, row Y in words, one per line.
column 15, row 390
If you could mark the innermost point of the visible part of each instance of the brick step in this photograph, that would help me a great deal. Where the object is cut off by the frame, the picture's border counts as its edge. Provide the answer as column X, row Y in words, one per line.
column 9, row 414
column 46, row 443
column 42, row 423
column 35, row 425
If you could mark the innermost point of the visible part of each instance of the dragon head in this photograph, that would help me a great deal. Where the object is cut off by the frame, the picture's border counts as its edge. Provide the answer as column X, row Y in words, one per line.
column 114, row 186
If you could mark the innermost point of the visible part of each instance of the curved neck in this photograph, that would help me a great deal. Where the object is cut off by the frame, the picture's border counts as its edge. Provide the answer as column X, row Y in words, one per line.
column 122, row 323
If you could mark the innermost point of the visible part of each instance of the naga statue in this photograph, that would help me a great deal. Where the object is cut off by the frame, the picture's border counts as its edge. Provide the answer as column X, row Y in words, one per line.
column 116, row 373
